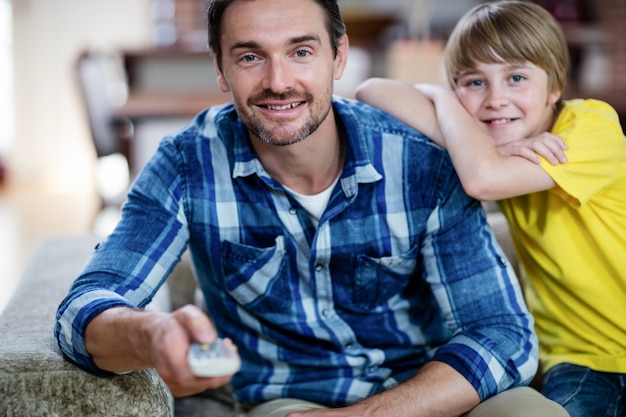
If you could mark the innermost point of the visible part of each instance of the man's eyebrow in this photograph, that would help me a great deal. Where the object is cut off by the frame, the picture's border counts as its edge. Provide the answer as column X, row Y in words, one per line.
column 292, row 41
column 306, row 38
column 244, row 45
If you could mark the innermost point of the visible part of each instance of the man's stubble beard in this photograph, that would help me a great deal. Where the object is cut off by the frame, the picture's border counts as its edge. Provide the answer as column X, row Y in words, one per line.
column 294, row 135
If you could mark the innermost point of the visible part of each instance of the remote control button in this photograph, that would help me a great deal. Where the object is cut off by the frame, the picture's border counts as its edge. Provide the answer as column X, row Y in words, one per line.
column 212, row 360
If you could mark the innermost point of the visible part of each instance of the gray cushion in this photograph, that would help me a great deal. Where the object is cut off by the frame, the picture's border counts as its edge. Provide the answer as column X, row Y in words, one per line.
column 34, row 379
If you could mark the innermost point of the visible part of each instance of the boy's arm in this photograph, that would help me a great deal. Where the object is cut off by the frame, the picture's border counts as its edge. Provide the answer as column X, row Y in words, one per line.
column 404, row 102
column 484, row 173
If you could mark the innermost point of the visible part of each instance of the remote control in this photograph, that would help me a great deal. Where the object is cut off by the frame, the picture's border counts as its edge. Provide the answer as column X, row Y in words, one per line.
column 213, row 360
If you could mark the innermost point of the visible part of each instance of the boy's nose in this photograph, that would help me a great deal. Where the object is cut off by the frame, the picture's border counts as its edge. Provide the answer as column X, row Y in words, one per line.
column 497, row 97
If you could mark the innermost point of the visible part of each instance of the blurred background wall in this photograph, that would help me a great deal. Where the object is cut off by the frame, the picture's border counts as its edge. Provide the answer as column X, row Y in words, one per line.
column 46, row 153
column 52, row 145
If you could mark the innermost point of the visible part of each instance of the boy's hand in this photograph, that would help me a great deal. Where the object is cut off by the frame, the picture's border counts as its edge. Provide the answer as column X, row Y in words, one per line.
column 548, row 145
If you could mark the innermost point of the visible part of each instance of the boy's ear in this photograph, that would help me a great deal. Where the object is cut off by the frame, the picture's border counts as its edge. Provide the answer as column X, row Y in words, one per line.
column 554, row 97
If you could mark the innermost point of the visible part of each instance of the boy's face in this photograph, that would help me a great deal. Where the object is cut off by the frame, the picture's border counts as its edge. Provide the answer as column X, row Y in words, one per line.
column 509, row 101
column 279, row 65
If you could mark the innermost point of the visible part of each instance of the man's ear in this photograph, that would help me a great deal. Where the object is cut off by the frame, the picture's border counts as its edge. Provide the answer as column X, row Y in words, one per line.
column 341, row 59
column 221, row 81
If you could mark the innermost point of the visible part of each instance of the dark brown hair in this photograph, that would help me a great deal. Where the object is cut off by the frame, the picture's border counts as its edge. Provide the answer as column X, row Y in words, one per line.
column 217, row 8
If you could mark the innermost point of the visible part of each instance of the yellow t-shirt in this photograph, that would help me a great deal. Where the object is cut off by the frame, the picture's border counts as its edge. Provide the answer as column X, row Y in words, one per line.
column 571, row 241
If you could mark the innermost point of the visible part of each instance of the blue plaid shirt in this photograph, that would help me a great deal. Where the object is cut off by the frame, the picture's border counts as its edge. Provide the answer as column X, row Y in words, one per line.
column 402, row 268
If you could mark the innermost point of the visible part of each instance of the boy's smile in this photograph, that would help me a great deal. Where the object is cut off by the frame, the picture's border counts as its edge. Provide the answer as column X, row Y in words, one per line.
column 509, row 101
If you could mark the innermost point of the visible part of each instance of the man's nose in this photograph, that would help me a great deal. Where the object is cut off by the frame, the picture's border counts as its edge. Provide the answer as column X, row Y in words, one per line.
column 278, row 76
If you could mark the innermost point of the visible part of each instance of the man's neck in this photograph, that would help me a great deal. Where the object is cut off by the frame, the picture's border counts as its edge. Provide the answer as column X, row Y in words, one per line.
column 307, row 167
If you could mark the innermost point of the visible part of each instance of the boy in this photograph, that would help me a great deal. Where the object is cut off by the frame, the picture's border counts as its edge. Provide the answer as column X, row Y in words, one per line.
column 507, row 65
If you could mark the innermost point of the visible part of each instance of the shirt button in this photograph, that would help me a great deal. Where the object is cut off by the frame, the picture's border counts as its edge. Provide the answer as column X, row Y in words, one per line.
column 372, row 369
column 326, row 312
column 293, row 211
column 318, row 268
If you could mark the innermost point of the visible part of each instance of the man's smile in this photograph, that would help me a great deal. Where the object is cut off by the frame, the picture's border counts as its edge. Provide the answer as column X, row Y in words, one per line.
column 282, row 107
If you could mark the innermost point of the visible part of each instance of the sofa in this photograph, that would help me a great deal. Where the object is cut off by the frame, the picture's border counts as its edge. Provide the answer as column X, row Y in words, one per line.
column 36, row 381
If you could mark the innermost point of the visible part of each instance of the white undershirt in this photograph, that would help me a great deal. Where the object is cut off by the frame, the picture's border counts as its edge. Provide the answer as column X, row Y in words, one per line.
column 314, row 204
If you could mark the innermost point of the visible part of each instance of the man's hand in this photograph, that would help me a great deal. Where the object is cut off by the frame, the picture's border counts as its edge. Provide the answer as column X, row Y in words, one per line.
column 124, row 339
column 436, row 390
column 356, row 410
column 548, row 145
column 329, row 412
column 171, row 338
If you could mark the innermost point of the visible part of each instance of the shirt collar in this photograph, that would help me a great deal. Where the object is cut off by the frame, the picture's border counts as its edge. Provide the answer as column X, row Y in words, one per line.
column 358, row 167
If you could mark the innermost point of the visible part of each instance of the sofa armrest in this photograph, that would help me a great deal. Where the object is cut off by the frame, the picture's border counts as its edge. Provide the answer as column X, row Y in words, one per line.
column 34, row 378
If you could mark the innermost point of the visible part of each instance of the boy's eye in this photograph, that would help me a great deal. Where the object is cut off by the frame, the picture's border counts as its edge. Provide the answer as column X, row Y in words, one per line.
column 517, row 78
column 474, row 83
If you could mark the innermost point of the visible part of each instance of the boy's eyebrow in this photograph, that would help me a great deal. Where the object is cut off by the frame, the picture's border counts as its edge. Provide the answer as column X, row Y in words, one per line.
column 293, row 41
column 467, row 71
column 511, row 66
column 517, row 65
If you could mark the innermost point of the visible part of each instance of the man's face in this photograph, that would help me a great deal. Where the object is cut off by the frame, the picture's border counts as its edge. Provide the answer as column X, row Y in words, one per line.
column 509, row 101
column 278, row 63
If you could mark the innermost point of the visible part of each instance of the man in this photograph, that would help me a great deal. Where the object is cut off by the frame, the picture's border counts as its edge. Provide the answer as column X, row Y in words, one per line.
column 334, row 246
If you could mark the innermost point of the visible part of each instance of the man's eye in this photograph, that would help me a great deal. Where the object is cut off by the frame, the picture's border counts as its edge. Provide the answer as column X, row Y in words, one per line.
column 302, row 53
column 248, row 58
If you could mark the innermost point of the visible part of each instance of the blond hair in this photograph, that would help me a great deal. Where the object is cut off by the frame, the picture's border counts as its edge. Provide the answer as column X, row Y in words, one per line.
column 508, row 31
